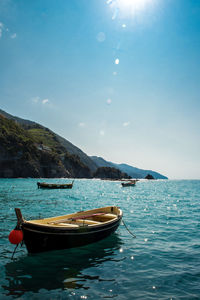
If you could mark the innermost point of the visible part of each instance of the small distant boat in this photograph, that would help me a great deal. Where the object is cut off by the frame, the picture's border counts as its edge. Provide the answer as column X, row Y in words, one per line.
column 72, row 230
column 130, row 183
column 44, row 185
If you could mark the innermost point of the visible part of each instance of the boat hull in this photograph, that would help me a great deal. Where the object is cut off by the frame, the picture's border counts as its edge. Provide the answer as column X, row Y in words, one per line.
column 54, row 186
column 40, row 239
column 128, row 184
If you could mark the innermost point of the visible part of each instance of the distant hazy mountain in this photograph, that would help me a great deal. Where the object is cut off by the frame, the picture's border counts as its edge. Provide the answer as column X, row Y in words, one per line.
column 131, row 171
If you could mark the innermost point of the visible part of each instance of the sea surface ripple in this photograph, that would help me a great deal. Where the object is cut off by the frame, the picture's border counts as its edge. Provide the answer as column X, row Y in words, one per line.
column 162, row 262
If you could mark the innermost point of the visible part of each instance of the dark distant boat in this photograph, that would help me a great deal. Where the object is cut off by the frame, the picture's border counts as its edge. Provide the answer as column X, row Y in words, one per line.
column 44, row 185
column 72, row 230
column 130, row 183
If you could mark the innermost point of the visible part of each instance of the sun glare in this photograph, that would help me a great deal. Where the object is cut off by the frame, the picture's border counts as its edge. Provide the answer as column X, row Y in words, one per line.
column 128, row 7
column 132, row 4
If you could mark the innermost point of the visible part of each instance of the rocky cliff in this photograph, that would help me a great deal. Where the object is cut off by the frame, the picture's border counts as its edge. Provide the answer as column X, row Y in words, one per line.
column 110, row 173
column 51, row 138
column 32, row 151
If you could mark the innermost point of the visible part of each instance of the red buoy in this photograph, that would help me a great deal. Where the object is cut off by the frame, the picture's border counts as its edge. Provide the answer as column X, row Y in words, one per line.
column 16, row 236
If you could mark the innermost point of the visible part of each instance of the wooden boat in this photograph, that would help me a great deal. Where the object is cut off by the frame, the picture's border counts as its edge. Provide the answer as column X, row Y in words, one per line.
column 69, row 231
column 130, row 183
column 44, row 185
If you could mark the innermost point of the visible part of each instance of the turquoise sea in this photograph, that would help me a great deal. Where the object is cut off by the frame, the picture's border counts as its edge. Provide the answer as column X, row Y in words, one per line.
column 162, row 262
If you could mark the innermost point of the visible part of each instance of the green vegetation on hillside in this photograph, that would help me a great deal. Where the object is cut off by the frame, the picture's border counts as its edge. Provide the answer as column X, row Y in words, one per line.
column 35, row 152
column 13, row 137
column 43, row 136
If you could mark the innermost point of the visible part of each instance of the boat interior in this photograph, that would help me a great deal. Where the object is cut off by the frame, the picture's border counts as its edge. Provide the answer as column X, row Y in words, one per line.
column 84, row 218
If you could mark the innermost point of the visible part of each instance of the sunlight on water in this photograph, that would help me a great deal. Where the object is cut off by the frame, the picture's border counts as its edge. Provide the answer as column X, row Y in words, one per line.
column 163, row 259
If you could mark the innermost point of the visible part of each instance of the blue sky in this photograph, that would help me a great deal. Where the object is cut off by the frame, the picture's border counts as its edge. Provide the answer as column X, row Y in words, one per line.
column 119, row 79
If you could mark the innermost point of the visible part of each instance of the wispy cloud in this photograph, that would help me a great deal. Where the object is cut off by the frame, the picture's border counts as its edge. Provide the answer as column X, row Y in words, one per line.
column 38, row 100
column 125, row 124
column 81, row 124
column 102, row 132
column 44, row 101
column 35, row 99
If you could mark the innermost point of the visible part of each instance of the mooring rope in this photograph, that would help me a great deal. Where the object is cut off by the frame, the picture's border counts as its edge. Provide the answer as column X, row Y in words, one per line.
column 14, row 251
column 133, row 235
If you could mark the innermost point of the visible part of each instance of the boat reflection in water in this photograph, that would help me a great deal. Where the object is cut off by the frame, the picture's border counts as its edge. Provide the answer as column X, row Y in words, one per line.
column 63, row 269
